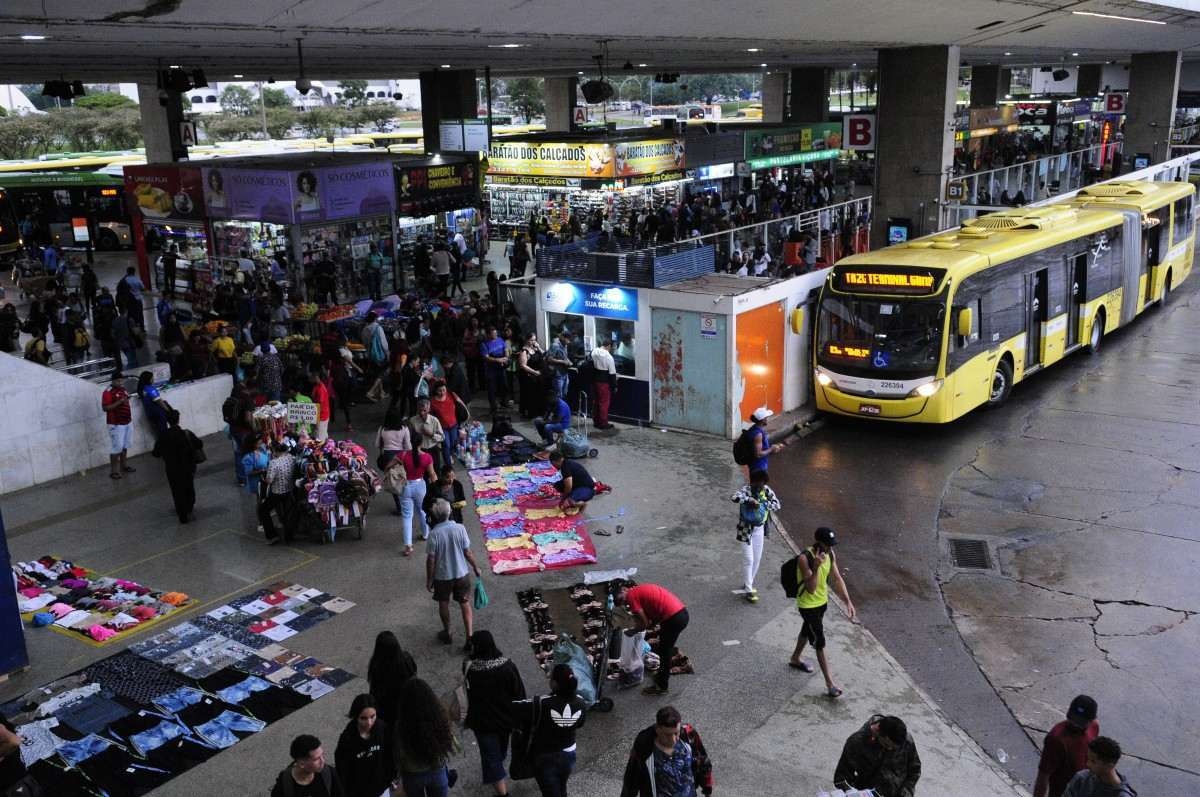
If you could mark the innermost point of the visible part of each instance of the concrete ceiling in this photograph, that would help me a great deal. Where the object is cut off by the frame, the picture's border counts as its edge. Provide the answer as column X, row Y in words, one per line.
column 105, row 40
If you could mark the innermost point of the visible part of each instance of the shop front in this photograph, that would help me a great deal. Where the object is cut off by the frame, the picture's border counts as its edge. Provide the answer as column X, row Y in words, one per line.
column 436, row 198
column 166, row 207
column 553, row 178
column 788, row 152
column 712, row 159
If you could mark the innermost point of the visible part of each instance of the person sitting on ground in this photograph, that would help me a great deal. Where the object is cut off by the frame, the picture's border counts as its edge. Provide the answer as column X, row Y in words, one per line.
column 1101, row 778
column 577, row 485
column 308, row 775
column 556, row 420
column 881, row 756
column 667, row 758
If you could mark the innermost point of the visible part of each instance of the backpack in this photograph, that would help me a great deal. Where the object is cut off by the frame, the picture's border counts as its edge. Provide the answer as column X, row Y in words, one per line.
column 82, row 341
column 743, row 449
column 288, row 786
column 229, row 410
column 789, row 573
column 375, row 349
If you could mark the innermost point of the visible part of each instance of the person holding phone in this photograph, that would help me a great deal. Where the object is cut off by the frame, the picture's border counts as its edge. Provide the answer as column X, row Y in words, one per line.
column 818, row 565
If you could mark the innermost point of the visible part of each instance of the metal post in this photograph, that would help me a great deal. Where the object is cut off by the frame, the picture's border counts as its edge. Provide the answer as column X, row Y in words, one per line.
column 262, row 106
column 487, row 81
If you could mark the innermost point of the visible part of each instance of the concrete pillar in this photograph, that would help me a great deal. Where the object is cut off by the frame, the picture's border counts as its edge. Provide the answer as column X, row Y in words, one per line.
column 809, row 94
column 160, row 124
column 1150, row 110
column 446, row 94
column 560, row 94
column 774, row 96
column 1088, row 84
column 989, row 84
column 915, row 139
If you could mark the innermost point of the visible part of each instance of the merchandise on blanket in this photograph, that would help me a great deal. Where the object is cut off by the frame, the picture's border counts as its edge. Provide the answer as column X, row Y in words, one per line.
column 77, row 601
column 541, row 629
column 279, row 611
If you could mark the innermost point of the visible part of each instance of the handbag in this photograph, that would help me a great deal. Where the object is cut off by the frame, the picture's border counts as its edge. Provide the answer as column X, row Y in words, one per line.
column 520, row 767
column 461, row 413
column 197, row 445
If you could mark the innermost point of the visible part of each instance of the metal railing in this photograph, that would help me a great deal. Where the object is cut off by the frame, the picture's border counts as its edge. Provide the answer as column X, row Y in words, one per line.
column 1036, row 181
column 1174, row 170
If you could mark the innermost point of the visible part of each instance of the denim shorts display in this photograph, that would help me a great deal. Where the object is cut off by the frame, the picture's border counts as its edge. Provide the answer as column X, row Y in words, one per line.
column 220, row 729
column 181, row 698
column 156, row 737
column 240, row 691
column 76, row 752
column 92, row 714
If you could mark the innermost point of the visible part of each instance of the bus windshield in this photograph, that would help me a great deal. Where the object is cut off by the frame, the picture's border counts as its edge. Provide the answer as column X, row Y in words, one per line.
column 880, row 338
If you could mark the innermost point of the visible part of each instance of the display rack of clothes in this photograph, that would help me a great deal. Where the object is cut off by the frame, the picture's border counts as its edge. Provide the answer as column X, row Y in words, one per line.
column 338, row 485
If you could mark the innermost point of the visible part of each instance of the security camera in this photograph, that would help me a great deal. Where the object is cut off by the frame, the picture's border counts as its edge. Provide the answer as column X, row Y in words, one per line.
column 303, row 85
column 163, row 97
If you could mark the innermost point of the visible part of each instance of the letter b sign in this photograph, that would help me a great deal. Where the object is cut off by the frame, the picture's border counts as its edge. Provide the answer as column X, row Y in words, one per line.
column 1114, row 103
column 858, row 131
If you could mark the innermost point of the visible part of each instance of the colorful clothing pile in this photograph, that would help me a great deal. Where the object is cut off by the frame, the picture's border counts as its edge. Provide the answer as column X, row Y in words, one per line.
column 338, row 482
column 524, row 530
column 75, row 600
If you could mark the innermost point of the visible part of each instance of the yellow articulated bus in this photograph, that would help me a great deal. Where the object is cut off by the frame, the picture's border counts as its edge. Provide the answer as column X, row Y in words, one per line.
column 928, row 330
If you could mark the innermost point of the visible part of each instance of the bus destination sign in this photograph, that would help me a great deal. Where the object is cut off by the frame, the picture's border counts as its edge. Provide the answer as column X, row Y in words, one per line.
column 911, row 282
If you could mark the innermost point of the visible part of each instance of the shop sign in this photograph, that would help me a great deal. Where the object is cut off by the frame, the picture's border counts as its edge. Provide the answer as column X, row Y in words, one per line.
column 647, row 157
column 1114, row 102
column 794, row 139
column 165, row 192
column 257, row 195
column 418, row 186
column 600, row 301
column 994, row 116
column 368, row 189
column 1035, row 113
column 718, row 172
column 858, row 131
column 776, row 161
column 533, row 180
column 654, row 179
column 558, row 160
column 302, row 412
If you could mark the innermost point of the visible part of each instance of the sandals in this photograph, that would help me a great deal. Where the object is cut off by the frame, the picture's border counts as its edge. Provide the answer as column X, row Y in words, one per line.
column 803, row 666
column 408, row 551
column 833, row 692
column 128, row 469
column 114, row 476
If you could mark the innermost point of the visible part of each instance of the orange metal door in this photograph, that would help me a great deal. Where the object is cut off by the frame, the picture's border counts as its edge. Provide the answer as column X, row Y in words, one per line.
column 760, row 358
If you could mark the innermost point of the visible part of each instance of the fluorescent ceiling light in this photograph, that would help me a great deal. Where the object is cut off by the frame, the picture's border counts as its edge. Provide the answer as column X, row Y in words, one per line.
column 1008, row 53
column 32, row 37
column 445, row 66
column 753, row 49
column 762, row 65
column 1116, row 16
column 504, row 46
column 237, row 76
column 642, row 65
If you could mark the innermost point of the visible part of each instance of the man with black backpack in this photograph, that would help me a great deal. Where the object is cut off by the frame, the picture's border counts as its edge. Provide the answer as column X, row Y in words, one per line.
column 814, row 568
column 308, row 775
column 753, row 447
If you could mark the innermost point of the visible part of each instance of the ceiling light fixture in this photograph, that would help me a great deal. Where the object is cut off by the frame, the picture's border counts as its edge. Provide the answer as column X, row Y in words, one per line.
column 303, row 84
column 1117, row 16
column 445, row 66
column 643, row 65
column 1007, row 53
column 1074, row 55
column 763, row 65
column 754, row 49
column 504, row 46
column 32, row 37
column 239, row 76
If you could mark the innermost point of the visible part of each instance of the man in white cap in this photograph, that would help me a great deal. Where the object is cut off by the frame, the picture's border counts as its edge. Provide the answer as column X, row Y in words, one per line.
column 758, row 437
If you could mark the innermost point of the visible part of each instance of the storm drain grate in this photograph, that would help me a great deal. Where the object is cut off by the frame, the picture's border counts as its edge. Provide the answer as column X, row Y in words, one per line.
column 971, row 554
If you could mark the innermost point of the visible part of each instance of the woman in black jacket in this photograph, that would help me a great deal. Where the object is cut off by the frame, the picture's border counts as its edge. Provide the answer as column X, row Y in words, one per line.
column 363, row 761
column 553, row 720
column 493, row 683
column 391, row 666
column 177, row 448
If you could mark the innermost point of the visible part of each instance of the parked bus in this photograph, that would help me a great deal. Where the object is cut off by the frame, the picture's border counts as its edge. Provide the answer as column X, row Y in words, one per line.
column 10, row 233
column 54, row 199
column 928, row 330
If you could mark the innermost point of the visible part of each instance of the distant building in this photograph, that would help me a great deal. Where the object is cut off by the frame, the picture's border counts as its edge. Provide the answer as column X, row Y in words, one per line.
column 207, row 100
column 14, row 101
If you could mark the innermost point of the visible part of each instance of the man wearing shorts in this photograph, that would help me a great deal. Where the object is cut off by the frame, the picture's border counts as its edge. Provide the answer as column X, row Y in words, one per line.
column 448, row 563
column 577, row 485
column 817, row 566
column 115, row 403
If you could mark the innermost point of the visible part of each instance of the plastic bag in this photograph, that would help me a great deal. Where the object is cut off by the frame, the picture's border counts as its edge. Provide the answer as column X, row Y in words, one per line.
column 481, row 596
column 567, row 651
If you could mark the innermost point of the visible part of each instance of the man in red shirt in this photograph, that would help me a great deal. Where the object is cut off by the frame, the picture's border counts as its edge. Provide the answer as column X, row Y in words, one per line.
column 651, row 605
column 1065, row 750
column 115, row 403
column 320, row 396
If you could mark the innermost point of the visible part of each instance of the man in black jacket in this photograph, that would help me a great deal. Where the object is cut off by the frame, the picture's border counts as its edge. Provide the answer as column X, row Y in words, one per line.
column 681, row 755
column 880, row 756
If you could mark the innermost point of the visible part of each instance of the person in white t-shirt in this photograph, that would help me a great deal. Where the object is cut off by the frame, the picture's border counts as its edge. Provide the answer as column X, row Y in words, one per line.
column 604, row 381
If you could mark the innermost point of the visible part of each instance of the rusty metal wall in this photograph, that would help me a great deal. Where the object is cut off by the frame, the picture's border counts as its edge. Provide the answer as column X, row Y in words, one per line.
column 689, row 370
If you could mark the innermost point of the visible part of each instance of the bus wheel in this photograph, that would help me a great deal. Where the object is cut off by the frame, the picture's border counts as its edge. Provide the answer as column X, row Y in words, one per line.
column 1002, row 381
column 1166, row 291
column 1097, row 334
column 108, row 242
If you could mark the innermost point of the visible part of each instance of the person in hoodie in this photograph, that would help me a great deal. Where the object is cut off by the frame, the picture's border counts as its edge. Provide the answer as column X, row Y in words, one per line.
column 880, row 756
column 668, row 760
column 493, row 683
column 1101, row 778
column 362, row 759
column 553, row 720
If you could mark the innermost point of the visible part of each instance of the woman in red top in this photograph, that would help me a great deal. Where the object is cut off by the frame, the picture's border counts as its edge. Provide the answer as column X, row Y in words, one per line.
column 321, row 397
column 418, row 467
column 445, row 407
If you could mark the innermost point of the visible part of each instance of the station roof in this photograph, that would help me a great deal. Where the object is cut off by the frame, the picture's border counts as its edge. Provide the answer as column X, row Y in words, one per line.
column 128, row 39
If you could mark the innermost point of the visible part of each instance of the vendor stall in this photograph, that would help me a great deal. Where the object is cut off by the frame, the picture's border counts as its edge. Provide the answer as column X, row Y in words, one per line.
column 167, row 209
column 436, row 198
column 556, row 174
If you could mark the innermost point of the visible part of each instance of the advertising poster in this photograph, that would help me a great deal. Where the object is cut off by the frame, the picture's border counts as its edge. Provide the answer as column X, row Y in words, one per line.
column 421, row 189
column 794, row 140
column 367, row 189
column 558, row 160
column 260, row 196
column 647, row 157
column 594, row 300
column 165, row 192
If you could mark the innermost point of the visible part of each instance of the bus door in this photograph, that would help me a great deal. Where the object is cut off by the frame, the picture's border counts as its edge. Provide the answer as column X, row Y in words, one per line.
column 1035, row 316
column 1077, row 268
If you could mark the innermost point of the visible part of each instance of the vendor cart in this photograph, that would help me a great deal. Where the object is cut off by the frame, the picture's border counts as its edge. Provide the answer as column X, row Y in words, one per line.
column 584, row 637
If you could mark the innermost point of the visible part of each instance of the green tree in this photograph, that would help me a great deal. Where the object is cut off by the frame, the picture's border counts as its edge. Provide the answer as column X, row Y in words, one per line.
column 378, row 115
column 280, row 121
column 26, row 136
column 275, row 98
column 322, row 122
column 527, row 96
column 79, row 128
column 354, row 93
column 230, row 127
column 104, row 100
column 3, row 113
column 120, row 128
column 237, row 100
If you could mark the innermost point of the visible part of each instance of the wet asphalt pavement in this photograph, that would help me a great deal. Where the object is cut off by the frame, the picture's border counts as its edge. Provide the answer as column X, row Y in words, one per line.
column 1085, row 488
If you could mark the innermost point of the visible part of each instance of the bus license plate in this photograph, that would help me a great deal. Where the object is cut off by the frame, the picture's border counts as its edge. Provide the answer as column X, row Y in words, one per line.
column 869, row 409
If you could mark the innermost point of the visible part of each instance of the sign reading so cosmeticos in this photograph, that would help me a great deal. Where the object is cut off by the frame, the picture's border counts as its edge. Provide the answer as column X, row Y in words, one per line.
column 599, row 301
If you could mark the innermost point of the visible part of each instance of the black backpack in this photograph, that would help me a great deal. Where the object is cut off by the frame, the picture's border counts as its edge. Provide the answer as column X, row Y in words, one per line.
column 229, row 410
column 288, row 786
column 789, row 574
column 743, row 449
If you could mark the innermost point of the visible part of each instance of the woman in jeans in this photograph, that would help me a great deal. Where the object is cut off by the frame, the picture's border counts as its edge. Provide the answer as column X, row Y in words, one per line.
column 445, row 406
column 424, row 742
column 418, row 470
column 391, row 439
column 554, row 719
column 493, row 683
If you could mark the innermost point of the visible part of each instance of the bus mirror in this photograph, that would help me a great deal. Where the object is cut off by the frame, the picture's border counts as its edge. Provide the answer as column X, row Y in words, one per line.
column 964, row 322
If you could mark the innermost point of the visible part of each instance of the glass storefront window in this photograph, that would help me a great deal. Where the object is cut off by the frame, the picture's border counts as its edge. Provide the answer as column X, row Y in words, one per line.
column 569, row 322
column 348, row 245
column 624, row 344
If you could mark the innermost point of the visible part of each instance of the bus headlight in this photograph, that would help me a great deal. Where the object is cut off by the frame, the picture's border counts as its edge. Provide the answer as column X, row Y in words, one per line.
column 928, row 389
column 823, row 379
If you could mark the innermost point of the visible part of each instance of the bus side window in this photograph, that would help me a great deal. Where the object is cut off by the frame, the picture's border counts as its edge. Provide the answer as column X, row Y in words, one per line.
column 1183, row 220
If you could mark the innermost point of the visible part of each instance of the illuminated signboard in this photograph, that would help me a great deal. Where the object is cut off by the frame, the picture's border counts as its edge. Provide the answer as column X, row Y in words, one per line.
column 848, row 352
column 868, row 279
